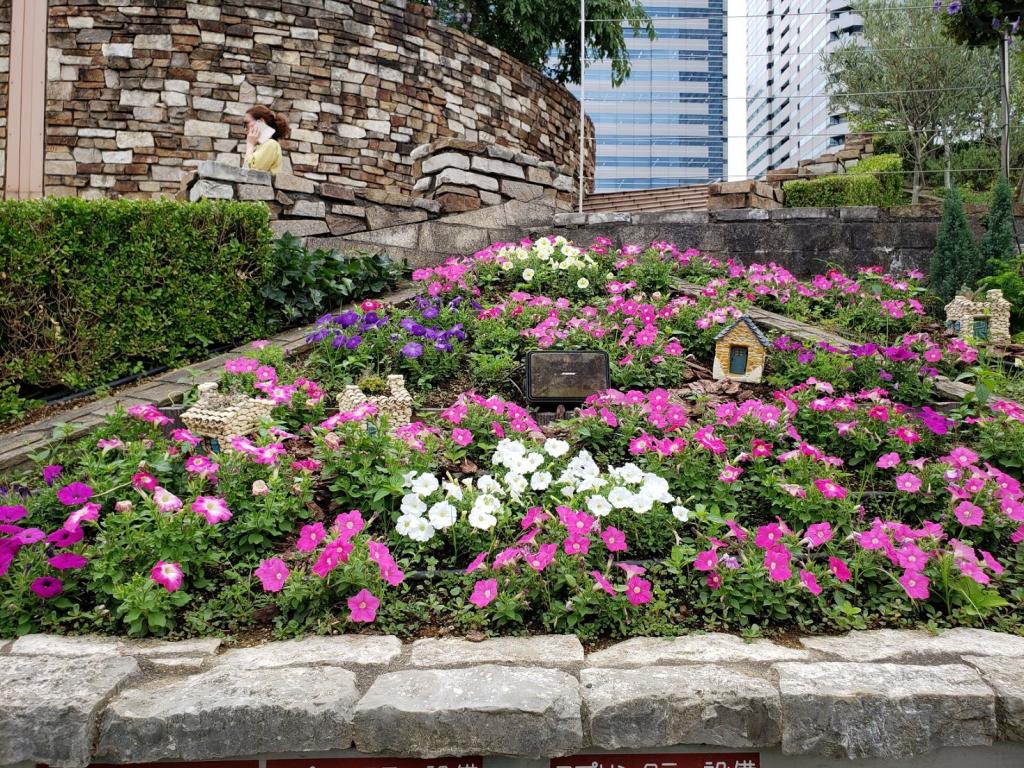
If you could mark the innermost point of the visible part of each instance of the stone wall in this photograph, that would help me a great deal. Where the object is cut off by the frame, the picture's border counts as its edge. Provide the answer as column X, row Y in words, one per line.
column 140, row 90
column 803, row 240
column 5, row 69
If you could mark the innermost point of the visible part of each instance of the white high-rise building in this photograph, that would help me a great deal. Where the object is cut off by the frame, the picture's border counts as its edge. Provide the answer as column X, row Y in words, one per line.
column 788, row 116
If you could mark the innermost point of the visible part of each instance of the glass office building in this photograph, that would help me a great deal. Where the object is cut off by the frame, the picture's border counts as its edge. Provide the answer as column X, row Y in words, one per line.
column 788, row 116
column 666, row 125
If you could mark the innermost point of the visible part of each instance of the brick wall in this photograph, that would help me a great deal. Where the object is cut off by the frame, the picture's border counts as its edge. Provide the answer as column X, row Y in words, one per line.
column 140, row 90
column 5, row 68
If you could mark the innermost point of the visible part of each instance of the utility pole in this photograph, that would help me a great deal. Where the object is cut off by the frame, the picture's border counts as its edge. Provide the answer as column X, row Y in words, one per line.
column 583, row 94
column 1004, row 97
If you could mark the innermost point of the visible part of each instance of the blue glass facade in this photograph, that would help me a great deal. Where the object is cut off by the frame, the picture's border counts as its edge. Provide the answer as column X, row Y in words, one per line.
column 666, row 125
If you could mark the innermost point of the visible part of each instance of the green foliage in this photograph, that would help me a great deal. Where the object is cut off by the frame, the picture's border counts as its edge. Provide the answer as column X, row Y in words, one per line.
column 1010, row 280
column 837, row 192
column 12, row 404
column 888, row 169
column 93, row 290
column 998, row 245
column 982, row 22
column 310, row 283
column 956, row 261
column 546, row 33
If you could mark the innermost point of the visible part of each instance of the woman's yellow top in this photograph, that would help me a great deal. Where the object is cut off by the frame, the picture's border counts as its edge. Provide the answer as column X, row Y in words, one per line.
column 266, row 157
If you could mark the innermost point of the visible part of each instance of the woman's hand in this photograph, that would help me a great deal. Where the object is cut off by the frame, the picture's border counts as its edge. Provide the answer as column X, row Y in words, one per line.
column 252, row 135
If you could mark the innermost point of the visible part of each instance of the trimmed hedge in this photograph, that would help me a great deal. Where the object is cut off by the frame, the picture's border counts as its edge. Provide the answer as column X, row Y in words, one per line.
column 874, row 181
column 91, row 290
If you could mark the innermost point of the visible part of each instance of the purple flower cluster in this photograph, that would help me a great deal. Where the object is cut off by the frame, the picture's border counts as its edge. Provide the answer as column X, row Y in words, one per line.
column 346, row 329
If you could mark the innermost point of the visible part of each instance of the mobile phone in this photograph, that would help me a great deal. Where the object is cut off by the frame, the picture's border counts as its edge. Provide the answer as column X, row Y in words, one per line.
column 265, row 131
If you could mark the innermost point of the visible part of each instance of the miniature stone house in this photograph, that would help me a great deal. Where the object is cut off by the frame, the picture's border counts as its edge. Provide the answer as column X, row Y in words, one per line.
column 974, row 320
column 740, row 352
column 396, row 405
column 225, row 415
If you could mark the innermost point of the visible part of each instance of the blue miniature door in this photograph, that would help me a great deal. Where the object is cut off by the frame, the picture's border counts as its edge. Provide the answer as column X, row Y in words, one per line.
column 981, row 328
column 738, row 360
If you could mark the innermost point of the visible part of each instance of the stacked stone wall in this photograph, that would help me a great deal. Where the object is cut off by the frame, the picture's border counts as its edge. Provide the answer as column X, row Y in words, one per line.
column 142, row 91
column 5, row 70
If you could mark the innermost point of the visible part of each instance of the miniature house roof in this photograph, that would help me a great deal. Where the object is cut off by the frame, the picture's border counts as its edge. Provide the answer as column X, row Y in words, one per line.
column 758, row 333
column 993, row 298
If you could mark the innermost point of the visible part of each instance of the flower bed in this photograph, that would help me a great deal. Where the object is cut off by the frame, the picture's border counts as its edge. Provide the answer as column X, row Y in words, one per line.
column 835, row 495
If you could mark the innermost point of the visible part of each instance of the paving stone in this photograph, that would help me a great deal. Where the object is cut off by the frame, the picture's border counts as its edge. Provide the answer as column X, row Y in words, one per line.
column 222, row 172
column 554, row 651
column 153, row 649
column 490, row 710
column 49, row 706
column 665, row 706
column 892, row 644
column 204, row 189
column 349, row 651
column 299, row 227
column 175, row 664
column 885, row 711
column 1006, row 678
column 228, row 713
column 60, row 646
column 713, row 648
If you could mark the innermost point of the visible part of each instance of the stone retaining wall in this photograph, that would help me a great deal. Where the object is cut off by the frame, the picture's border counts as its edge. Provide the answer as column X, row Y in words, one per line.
column 804, row 240
column 139, row 91
column 881, row 694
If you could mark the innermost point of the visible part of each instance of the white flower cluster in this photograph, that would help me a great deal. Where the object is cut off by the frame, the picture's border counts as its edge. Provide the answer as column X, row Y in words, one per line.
column 432, row 505
column 544, row 249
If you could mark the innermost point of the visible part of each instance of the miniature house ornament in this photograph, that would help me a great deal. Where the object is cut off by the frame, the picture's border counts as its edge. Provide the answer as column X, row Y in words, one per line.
column 974, row 320
column 396, row 405
column 225, row 415
column 740, row 352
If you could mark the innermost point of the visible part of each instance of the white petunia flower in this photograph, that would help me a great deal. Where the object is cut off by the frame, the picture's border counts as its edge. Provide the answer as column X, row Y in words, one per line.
column 420, row 529
column 620, row 497
column 487, row 484
column 556, row 448
column 413, row 505
column 452, row 490
column 533, row 461
column 583, row 283
column 657, row 488
column 425, row 484
column 629, row 473
column 481, row 520
column 442, row 515
column 681, row 513
column 540, row 481
column 642, row 503
column 528, row 274
column 486, row 503
column 598, row 506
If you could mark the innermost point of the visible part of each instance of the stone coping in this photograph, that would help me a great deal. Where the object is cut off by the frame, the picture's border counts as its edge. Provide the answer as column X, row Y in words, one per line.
column 165, row 389
column 883, row 694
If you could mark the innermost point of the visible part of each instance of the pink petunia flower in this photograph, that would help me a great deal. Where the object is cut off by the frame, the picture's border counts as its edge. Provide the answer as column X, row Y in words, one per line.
column 310, row 537
column 776, row 562
column 768, row 535
column 165, row 501
column 809, row 580
column 478, row 562
column 46, row 587
column 484, row 592
column 706, row 560
column 89, row 511
column 348, row 524
column 167, row 575
column 67, row 561
column 614, row 539
column 144, row 481
column 839, row 569
column 73, row 494
column 542, row 558
column 817, row 534
column 215, row 510
column 730, row 474
column 363, row 606
column 66, row 537
column 969, row 514
column 830, row 489
column 638, row 591
column 272, row 573
column 888, row 460
column 908, row 482
column 603, row 583
column 915, row 584
column 462, row 436
column 12, row 514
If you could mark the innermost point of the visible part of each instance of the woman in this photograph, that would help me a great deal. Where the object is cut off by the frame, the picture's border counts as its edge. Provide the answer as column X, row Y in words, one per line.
column 263, row 127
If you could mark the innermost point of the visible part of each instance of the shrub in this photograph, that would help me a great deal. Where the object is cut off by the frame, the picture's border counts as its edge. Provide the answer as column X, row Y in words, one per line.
column 956, row 261
column 872, row 182
column 313, row 282
column 93, row 290
column 999, row 243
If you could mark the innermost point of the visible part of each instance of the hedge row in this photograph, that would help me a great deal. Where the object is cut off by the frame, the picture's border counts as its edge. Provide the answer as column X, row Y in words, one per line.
column 94, row 290
column 875, row 181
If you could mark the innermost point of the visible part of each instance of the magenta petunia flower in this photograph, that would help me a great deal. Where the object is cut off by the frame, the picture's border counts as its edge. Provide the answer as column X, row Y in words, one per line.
column 462, row 436
column 65, row 537
column 73, row 494
column 830, row 489
column 348, row 524
column 888, row 460
column 363, row 606
column 144, row 481
column 768, row 535
column 638, row 591
column 603, row 583
column 969, row 514
column 215, row 510
column 484, row 592
column 542, row 558
column 614, row 539
column 165, row 501
column 478, row 562
column 915, row 584
column 51, row 472
column 272, row 573
column 201, row 465
column 730, row 474
column 706, row 560
column 839, row 569
column 89, row 511
column 28, row 536
column 776, row 562
column 809, row 580
column 167, row 575
column 67, row 561
column 47, row 587
column 12, row 514
column 817, row 534
column 908, row 482
column 310, row 537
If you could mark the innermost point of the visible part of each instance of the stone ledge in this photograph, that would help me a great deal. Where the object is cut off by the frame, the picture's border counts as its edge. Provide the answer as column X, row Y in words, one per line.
column 505, row 696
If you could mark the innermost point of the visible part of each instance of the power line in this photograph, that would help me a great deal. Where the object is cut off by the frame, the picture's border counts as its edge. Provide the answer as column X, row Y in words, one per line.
column 783, row 136
column 707, row 97
column 908, row 172
column 773, row 16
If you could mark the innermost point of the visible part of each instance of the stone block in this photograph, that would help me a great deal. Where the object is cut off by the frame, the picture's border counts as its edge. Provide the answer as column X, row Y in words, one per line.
column 452, row 239
column 553, row 651
column 497, row 167
column 353, row 652
column 500, row 152
column 255, row 192
column 386, row 197
column 227, row 713
column 488, row 710
column 729, row 201
column 540, row 176
column 405, row 236
column 665, row 706
column 290, row 183
column 337, row 192
column 134, row 139
column 344, row 225
column 209, row 169
column 713, row 648
column 70, row 646
column 820, row 169
column 521, row 190
column 442, row 160
column 1006, row 678
column 564, row 183
column 883, row 711
column 154, row 42
column 308, row 209
column 210, row 190
column 452, row 202
column 378, row 217
column 299, row 227
column 466, row 178
column 433, row 206
column 916, row 646
column 206, row 128
column 50, row 705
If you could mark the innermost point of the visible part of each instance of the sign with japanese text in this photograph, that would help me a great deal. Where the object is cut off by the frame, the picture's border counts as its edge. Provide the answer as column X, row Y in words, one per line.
column 680, row 760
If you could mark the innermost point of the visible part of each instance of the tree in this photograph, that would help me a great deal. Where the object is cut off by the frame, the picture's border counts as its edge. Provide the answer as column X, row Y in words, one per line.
column 546, row 33
column 999, row 243
column 956, row 262
column 908, row 78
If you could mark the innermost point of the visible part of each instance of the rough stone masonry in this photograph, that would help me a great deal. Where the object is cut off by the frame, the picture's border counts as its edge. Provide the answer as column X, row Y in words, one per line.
column 883, row 694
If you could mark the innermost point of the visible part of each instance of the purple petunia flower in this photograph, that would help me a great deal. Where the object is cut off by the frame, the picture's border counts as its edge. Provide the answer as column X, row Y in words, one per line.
column 412, row 349
column 47, row 587
column 73, row 494
column 954, row 7
column 51, row 472
column 354, row 342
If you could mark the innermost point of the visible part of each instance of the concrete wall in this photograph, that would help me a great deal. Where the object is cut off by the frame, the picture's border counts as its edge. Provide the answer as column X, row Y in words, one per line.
column 139, row 90
column 804, row 240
